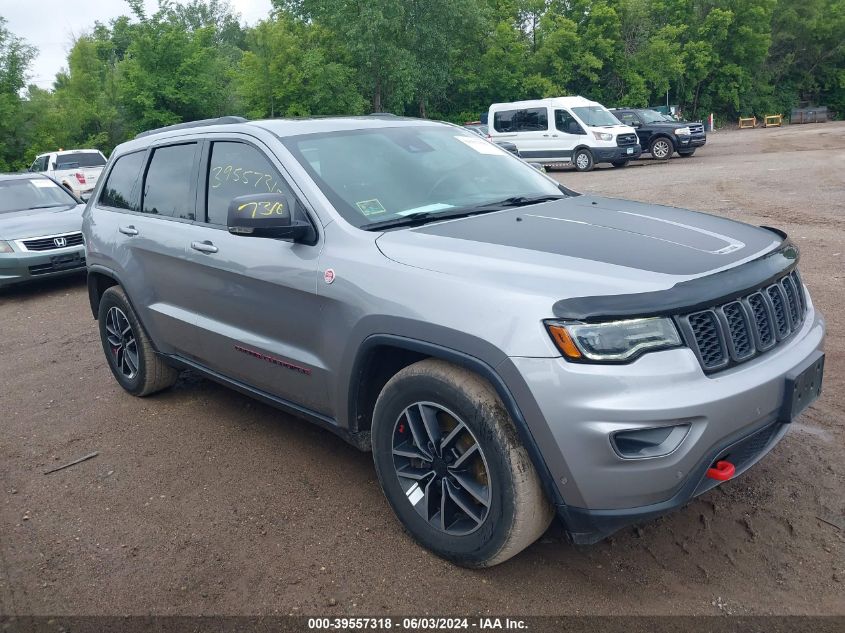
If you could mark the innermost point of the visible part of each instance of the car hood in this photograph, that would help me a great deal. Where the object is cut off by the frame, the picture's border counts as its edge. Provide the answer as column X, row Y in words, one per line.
column 39, row 222
column 581, row 245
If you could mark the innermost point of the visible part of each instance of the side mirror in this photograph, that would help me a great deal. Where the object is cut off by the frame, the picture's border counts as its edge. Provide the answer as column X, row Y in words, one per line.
column 267, row 215
column 636, row 124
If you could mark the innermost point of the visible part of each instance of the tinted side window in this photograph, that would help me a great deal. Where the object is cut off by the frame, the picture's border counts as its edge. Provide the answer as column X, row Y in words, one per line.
column 566, row 123
column 628, row 118
column 503, row 121
column 238, row 169
column 167, row 187
column 532, row 120
column 121, row 188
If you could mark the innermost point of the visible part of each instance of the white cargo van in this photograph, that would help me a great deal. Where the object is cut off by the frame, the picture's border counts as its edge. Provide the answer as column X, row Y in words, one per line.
column 564, row 130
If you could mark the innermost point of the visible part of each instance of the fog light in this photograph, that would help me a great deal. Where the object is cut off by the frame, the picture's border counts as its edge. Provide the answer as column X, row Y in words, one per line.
column 644, row 443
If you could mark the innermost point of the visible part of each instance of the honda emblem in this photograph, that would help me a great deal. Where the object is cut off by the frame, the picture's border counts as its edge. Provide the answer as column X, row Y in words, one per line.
column 60, row 242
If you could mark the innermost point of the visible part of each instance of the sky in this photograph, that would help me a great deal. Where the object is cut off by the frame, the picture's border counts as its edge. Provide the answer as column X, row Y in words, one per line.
column 51, row 25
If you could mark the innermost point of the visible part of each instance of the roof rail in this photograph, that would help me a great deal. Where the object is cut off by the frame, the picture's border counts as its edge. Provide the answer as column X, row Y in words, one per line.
column 385, row 114
column 201, row 123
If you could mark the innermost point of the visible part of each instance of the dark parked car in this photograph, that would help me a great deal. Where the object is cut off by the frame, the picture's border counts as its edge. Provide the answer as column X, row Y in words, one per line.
column 660, row 134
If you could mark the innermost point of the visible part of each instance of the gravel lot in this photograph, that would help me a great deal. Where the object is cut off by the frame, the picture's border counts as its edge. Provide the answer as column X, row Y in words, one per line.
column 202, row 501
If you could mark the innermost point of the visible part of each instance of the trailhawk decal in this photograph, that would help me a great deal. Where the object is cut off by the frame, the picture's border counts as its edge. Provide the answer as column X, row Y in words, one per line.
column 275, row 361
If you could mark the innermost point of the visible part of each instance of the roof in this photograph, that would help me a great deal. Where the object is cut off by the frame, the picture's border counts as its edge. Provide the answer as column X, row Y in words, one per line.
column 22, row 176
column 316, row 125
column 65, row 152
column 279, row 127
column 563, row 102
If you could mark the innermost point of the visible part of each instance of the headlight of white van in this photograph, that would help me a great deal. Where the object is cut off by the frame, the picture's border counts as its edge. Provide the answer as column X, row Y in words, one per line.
column 5, row 247
column 613, row 341
column 603, row 136
column 683, row 131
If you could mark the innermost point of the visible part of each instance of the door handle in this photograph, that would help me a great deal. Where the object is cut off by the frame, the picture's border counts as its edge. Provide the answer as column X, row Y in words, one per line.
column 545, row 136
column 128, row 230
column 204, row 247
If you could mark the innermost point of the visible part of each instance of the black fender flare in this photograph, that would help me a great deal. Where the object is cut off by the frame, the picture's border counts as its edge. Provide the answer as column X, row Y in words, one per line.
column 475, row 365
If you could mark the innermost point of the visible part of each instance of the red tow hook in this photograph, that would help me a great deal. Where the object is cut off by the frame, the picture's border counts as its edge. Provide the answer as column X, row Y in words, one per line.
column 722, row 471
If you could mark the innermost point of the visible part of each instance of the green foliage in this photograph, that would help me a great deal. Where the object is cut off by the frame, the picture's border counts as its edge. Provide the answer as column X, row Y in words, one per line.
column 448, row 59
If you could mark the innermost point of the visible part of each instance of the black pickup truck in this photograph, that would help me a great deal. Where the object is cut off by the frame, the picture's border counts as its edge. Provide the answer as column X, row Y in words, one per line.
column 660, row 134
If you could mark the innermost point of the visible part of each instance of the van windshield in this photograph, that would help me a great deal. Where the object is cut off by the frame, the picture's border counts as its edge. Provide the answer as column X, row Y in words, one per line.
column 595, row 116
column 384, row 174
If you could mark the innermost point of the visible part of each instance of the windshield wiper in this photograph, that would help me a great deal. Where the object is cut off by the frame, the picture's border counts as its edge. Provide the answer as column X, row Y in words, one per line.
column 517, row 201
column 423, row 217
column 419, row 218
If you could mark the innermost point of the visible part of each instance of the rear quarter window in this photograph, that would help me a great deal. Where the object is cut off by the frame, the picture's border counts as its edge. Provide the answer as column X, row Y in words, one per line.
column 121, row 190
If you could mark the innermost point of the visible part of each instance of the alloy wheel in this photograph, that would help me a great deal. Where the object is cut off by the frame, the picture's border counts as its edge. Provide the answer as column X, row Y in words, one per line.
column 661, row 149
column 441, row 468
column 122, row 343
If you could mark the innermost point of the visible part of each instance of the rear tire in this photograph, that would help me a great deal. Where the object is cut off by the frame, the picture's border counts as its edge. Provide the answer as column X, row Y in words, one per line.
column 130, row 355
column 619, row 164
column 451, row 465
column 661, row 148
column 583, row 160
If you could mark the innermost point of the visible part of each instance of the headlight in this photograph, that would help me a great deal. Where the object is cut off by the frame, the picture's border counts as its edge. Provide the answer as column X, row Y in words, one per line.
column 614, row 341
column 683, row 131
column 5, row 247
column 603, row 136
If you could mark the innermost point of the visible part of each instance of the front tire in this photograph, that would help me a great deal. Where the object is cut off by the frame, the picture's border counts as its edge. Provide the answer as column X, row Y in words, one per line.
column 450, row 463
column 662, row 148
column 131, row 357
column 583, row 160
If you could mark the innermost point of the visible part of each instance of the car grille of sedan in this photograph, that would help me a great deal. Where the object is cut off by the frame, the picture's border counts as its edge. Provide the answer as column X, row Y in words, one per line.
column 53, row 242
column 737, row 331
column 626, row 139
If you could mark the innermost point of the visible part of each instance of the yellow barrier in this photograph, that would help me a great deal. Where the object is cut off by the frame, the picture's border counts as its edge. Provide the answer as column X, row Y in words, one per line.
column 773, row 120
column 749, row 122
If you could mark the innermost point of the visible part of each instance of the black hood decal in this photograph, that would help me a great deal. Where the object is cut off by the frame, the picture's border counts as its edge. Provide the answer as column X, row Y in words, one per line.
column 636, row 235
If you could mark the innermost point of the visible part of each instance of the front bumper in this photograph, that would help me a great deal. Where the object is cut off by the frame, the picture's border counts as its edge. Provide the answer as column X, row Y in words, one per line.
column 613, row 154
column 20, row 267
column 579, row 406
column 688, row 142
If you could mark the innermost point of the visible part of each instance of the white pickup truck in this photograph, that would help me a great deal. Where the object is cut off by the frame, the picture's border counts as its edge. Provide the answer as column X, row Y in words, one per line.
column 77, row 169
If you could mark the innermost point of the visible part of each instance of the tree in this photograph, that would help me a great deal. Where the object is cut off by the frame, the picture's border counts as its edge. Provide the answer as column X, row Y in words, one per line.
column 15, row 57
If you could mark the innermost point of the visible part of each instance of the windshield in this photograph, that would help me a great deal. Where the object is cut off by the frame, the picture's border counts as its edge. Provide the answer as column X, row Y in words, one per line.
column 80, row 159
column 381, row 174
column 595, row 116
column 31, row 193
column 653, row 116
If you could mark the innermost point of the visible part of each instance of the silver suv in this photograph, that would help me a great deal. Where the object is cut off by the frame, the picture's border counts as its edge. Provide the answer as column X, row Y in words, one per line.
column 508, row 349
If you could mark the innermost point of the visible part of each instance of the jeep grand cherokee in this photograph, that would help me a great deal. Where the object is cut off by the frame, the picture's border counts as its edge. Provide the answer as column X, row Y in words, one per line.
column 508, row 349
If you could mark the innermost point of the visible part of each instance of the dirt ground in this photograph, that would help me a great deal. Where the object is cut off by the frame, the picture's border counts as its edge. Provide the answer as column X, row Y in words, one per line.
column 202, row 501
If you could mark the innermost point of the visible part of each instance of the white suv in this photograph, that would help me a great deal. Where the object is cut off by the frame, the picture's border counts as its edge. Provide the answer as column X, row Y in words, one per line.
column 77, row 169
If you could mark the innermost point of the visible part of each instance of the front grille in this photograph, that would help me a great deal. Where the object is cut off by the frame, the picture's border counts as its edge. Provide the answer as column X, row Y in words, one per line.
column 741, row 329
column 53, row 242
column 696, row 128
column 626, row 139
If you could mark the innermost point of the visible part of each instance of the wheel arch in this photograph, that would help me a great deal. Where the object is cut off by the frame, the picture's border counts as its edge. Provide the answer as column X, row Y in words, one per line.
column 659, row 135
column 99, row 280
column 400, row 352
